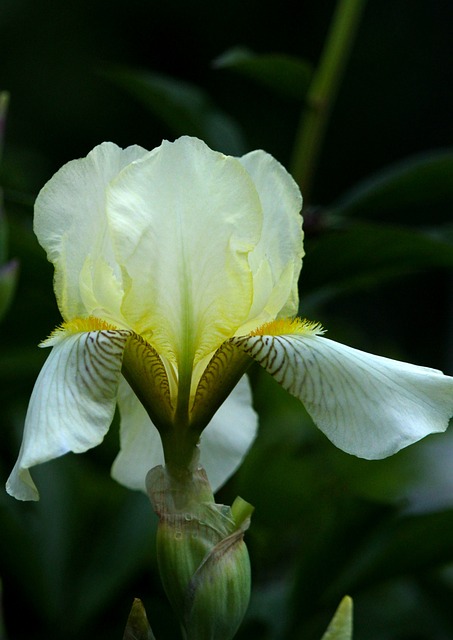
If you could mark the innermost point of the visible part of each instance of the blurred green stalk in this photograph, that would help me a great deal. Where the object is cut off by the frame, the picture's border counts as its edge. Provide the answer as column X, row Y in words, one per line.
column 4, row 100
column 322, row 92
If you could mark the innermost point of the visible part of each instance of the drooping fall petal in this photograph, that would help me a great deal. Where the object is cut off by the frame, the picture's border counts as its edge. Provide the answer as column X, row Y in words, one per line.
column 367, row 405
column 72, row 404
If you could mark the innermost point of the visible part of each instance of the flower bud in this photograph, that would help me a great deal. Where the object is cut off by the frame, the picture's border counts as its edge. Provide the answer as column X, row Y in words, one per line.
column 202, row 557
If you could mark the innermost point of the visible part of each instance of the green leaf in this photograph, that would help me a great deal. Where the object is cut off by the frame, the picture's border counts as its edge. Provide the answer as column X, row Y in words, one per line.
column 282, row 73
column 137, row 627
column 366, row 255
column 400, row 547
column 183, row 107
column 55, row 569
column 340, row 627
column 420, row 184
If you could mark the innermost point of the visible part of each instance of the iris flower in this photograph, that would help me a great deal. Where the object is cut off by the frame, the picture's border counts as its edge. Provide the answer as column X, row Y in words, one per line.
column 174, row 270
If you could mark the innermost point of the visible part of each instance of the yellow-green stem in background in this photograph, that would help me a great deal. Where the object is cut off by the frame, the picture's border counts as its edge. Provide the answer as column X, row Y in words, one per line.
column 322, row 92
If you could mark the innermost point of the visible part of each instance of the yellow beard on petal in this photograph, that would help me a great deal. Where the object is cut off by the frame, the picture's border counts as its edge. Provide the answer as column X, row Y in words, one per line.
column 289, row 326
column 77, row 325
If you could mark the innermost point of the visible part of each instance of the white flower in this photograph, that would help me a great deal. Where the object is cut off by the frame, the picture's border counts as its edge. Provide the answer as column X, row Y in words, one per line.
column 173, row 270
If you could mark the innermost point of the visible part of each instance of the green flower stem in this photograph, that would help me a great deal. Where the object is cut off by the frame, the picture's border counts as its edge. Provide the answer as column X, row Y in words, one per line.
column 322, row 92
column 181, row 452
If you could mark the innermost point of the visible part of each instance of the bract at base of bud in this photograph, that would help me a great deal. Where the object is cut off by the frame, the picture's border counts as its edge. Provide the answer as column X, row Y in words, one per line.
column 202, row 557
column 219, row 591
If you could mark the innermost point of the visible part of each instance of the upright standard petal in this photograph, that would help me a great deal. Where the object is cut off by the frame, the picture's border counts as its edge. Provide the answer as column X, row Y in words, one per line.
column 184, row 219
column 223, row 444
column 71, row 225
column 72, row 403
column 367, row 405
column 276, row 260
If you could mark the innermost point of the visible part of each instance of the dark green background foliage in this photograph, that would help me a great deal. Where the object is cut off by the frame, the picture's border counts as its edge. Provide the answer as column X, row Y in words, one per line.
column 377, row 273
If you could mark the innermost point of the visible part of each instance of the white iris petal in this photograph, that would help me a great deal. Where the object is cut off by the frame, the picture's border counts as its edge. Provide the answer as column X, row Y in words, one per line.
column 276, row 260
column 72, row 404
column 70, row 223
column 367, row 405
column 229, row 435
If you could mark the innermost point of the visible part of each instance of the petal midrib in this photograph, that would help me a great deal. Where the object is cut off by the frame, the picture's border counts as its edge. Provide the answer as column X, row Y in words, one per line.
column 185, row 357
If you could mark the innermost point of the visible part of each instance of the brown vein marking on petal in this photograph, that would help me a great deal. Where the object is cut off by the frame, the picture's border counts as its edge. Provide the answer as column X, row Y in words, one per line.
column 144, row 370
column 223, row 372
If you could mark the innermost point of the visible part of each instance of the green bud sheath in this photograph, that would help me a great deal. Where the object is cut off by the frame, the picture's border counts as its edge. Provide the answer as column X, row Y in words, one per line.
column 219, row 591
column 203, row 560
